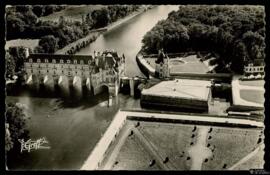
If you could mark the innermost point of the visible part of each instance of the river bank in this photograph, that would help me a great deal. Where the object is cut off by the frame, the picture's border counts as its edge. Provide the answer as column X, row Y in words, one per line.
column 125, row 19
column 75, row 46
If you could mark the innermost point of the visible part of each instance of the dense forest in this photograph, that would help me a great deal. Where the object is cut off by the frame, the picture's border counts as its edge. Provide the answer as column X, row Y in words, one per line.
column 234, row 33
column 23, row 22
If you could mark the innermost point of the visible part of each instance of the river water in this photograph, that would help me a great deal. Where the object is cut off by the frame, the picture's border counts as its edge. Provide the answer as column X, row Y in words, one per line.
column 126, row 38
column 73, row 131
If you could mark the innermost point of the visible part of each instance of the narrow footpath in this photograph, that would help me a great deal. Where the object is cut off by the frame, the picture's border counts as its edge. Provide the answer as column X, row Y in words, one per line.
column 199, row 152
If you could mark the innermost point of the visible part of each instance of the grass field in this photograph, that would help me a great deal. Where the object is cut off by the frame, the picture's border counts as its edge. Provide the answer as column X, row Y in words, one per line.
column 170, row 140
column 255, row 162
column 231, row 145
column 252, row 83
column 73, row 12
column 190, row 64
column 228, row 145
column 133, row 156
column 30, row 43
column 252, row 95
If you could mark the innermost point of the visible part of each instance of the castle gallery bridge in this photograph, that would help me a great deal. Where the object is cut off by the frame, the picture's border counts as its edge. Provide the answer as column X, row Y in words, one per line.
column 94, row 72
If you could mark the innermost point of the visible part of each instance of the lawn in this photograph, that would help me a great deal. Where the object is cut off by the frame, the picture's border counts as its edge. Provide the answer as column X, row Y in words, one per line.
column 231, row 145
column 191, row 64
column 73, row 12
column 255, row 162
column 170, row 140
column 228, row 146
column 252, row 83
column 252, row 95
column 30, row 43
column 133, row 156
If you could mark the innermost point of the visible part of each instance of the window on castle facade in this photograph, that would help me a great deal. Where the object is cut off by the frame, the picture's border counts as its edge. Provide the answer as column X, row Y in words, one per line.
column 61, row 61
column 46, row 60
column 38, row 60
column 75, row 61
column 53, row 61
column 30, row 60
column 68, row 61
column 81, row 62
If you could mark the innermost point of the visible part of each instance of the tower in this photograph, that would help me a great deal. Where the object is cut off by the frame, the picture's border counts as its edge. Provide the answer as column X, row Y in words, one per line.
column 166, row 68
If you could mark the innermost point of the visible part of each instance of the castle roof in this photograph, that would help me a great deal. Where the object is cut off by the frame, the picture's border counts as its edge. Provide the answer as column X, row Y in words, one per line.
column 58, row 57
column 180, row 88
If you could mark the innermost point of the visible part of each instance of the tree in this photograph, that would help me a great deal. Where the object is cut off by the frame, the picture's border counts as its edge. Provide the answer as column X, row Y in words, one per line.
column 10, row 65
column 8, row 140
column 240, row 54
column 38, row 10
column 30, row 18
column 49, row 44
column 22, row 8
column 255, row 44
column 100, row 17
column 16, row 125
column 18, row 55
column 14, row 25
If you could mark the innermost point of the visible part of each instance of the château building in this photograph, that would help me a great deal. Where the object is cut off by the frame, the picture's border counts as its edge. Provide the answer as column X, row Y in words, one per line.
column 93, row 71
column 162, row 65
column 255, row 68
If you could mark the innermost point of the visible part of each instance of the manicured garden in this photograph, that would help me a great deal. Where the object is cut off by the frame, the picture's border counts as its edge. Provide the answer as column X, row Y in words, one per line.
column 228, row 145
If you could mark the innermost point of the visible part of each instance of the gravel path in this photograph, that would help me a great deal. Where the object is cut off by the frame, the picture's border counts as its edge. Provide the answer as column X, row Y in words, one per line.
column 199, row 152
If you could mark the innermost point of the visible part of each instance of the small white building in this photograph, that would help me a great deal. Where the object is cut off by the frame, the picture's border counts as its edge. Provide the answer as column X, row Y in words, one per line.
column 256, row 67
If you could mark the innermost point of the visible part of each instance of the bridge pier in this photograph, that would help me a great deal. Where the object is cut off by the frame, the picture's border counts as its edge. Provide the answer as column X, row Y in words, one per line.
column 131, row 85
column 77, row 87
column 88, row 84
column 29, row 80
column 64, row 86
column 48, row 82
column 33, row 83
